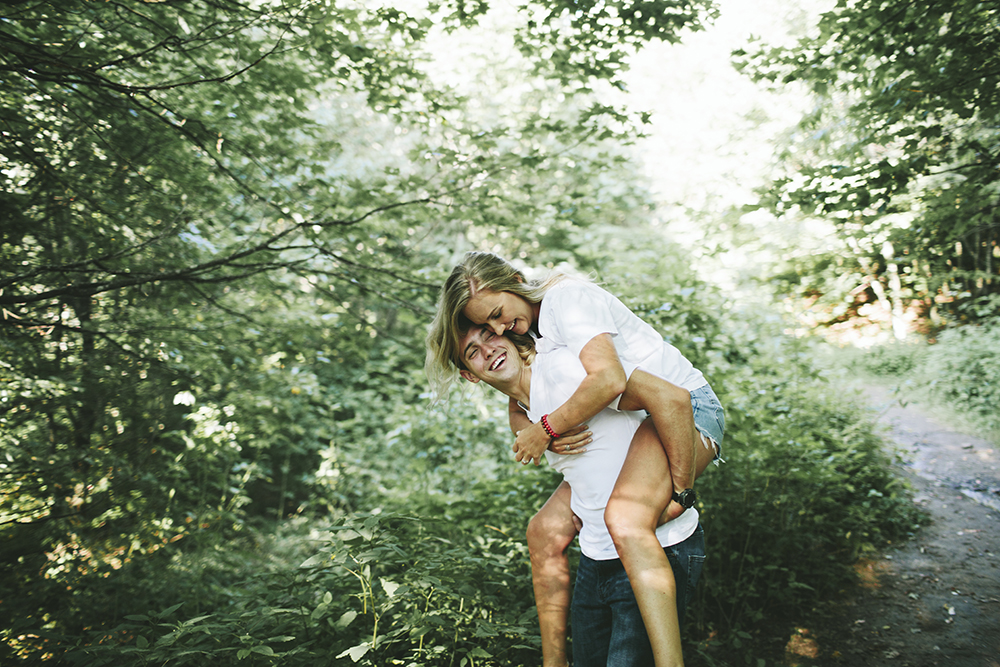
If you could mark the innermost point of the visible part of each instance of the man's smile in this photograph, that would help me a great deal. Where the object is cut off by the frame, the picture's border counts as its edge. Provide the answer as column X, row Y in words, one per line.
column 499, row 360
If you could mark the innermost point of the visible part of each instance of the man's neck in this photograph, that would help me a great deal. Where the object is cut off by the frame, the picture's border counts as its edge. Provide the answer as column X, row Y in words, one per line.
column 519, row 389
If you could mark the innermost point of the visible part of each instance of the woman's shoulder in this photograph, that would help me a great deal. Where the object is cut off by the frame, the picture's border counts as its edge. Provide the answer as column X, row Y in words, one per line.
column 571, row 287
column 575, row 309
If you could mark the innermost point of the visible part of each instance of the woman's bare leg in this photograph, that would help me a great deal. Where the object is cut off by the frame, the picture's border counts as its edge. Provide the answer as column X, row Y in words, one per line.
column 550, row 532
column 704, row 454
column 639, row 497
column 637, row 505
column 669, row 407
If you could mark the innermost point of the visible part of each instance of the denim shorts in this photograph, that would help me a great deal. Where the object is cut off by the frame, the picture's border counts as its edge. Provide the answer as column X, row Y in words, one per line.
column 606, row 626
column 709, row 417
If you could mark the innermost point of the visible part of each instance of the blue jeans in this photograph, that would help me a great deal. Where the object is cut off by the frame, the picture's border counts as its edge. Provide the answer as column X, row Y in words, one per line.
column 607, row 629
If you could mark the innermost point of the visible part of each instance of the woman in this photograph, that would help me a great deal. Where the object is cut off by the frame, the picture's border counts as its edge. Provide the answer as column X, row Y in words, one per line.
column 611, row 342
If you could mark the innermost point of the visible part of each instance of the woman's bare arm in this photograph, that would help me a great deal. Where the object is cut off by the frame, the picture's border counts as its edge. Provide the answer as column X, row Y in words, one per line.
column 605, row 381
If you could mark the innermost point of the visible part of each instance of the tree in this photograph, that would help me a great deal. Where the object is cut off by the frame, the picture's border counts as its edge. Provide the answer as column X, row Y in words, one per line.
column 901, row 153
column 217, row 222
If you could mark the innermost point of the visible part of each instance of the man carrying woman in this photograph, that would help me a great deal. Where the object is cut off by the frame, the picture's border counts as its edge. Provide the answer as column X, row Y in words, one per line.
column 607, row 626
column 619, row 361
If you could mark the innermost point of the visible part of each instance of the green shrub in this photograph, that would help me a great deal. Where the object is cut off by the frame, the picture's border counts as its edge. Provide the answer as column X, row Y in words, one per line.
column 894, row 359
column 963, row 369
column 959, row 371
column 378, row 590
column 807, row 486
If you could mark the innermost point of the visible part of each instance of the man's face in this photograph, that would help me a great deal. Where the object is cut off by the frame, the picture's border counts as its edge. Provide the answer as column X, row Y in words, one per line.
column 490, row 358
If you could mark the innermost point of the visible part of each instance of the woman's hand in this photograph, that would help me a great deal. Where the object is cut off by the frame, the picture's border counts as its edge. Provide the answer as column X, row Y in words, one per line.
column 673, row 510
column 531, row 443
column 574, row 441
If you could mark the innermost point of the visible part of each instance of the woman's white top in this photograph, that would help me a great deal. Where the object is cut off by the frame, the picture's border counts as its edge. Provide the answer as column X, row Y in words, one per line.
column 573, row 312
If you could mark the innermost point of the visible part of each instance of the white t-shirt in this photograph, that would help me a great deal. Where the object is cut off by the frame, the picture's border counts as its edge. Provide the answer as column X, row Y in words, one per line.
column 592, row 475
column 574, row 311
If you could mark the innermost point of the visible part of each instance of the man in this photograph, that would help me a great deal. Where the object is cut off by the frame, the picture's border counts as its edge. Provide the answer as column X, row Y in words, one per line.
column 607, row 625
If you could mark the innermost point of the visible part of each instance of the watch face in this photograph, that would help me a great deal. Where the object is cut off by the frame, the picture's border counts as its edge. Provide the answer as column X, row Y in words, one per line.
column 686, row 498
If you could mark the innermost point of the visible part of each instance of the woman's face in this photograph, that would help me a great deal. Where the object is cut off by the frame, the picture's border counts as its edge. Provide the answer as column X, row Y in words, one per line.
column 500, row 312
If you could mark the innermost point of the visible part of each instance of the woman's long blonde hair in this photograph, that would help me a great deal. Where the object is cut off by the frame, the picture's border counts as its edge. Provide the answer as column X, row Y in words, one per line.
column 478, row 271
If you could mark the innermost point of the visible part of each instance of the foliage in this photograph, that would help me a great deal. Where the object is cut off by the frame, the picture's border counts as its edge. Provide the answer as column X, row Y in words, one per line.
column 224, row 227
column 954, row 374
column 958, row 371
column 808, row 484
column 442, row 508
column 378, row 588
column 901, row 154
column 963, row 369
column 890, row 360
column 807, row 487
column 596, row 37
column 218, row 222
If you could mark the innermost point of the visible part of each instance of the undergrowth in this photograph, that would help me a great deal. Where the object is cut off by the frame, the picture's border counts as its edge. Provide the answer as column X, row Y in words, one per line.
column 957, row 374
column 438, row 575
column 443, row 579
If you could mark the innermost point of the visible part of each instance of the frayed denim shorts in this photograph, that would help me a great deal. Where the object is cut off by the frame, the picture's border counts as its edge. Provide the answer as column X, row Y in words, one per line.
column 709, row 418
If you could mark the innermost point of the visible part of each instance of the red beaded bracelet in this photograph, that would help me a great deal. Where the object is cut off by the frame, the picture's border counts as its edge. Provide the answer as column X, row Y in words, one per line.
column 549, row 429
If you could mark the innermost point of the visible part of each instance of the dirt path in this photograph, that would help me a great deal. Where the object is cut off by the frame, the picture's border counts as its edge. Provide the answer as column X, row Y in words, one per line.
column 934, row 600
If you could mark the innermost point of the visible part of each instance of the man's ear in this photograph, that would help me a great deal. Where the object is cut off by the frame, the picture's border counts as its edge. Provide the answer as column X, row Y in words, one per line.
column 469, row 376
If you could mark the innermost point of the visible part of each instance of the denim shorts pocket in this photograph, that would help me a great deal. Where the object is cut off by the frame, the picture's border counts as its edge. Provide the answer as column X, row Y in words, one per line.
column 709, row 416
column 719, row 416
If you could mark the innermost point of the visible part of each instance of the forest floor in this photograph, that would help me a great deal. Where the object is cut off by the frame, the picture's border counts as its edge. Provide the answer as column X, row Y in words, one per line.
column 935, row 599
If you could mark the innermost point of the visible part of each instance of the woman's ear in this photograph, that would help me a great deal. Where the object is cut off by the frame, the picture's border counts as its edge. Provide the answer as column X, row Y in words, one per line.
column 469, row 376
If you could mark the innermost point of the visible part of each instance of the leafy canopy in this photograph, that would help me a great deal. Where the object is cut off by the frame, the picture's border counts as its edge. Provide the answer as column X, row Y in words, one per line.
column 901, row 152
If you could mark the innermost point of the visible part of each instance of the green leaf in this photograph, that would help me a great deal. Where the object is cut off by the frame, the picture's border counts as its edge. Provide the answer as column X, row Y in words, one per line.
column 196, row 619
column 314, row 561
column 169, row 610
column 389, row 587
column 346, row 619
column 356, row 652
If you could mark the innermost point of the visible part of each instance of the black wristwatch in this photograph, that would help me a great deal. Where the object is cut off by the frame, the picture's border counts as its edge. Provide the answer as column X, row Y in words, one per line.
column 687, row 498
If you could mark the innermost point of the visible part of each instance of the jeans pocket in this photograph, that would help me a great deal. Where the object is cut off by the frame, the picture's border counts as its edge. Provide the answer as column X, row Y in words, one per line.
column 695, row 564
